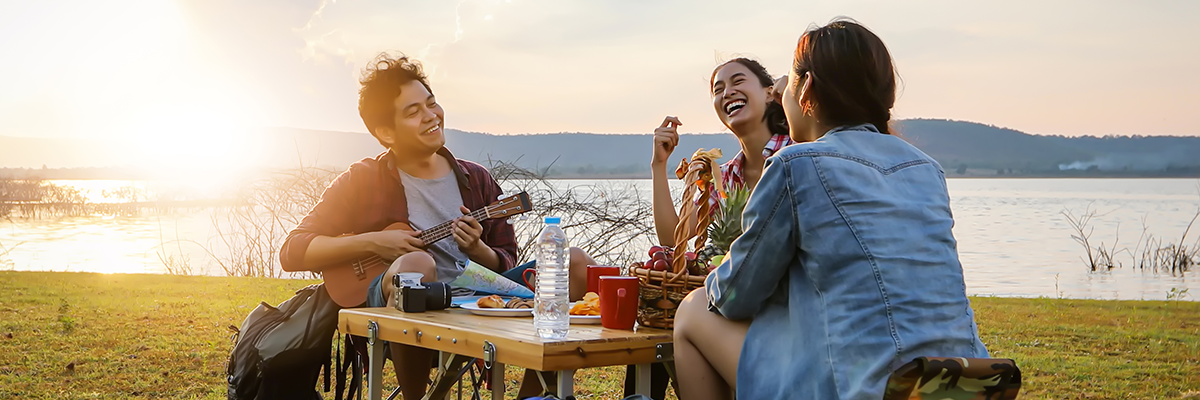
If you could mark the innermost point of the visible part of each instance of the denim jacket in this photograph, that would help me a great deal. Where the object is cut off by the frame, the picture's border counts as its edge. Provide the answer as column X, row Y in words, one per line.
column 847, row 269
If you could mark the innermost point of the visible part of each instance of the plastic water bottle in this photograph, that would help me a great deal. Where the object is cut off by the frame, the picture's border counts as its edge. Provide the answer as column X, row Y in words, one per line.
column 551, row 303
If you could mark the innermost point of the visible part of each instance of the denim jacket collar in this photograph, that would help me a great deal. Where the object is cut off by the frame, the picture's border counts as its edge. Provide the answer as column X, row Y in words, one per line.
column 858, row 127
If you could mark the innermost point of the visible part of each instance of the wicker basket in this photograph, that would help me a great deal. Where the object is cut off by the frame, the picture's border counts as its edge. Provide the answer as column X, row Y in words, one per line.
column 663, row 291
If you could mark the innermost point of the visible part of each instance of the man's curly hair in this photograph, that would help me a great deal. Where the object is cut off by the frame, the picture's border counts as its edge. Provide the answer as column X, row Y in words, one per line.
column 381, row 83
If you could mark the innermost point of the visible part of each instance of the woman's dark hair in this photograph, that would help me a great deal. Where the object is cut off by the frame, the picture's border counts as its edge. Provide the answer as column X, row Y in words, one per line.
column 381, row 83
column 853, row 79
column 773, row 116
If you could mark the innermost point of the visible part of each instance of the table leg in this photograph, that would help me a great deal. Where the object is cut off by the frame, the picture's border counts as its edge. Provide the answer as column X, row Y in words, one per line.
column 566, row 383
column 497, row 381
column 641, row 382
column 375, row 377
column 670, row 366
column 447, row 375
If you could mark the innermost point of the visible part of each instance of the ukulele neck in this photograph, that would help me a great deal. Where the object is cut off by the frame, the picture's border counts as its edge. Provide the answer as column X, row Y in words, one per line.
column 445, row 229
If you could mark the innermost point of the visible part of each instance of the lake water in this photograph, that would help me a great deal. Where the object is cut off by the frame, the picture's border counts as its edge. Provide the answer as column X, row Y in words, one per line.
column 1013, row 238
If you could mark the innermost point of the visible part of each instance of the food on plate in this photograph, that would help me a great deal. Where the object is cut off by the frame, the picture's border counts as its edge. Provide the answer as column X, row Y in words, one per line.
column 495, row 301
column 519, row 303
column 492, row 301
column 590, row 305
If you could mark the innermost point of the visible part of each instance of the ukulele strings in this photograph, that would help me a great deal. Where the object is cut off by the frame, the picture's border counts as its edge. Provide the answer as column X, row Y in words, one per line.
column 437, row 232
column 444, row 229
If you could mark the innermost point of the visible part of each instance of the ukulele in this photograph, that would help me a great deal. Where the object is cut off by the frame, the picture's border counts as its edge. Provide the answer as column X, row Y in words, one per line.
column 347, row 283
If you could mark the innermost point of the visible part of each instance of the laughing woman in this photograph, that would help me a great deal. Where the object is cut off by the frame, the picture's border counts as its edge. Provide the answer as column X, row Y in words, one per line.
column 848, row 267
column 742, row 97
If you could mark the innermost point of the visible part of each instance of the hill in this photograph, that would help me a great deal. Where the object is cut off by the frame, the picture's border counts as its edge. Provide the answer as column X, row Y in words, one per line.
column 963, row 149
column 958, row 144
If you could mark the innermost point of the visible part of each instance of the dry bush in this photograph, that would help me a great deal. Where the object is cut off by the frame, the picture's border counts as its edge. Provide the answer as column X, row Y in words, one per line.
column 1173, row 258
column 251, row 232
column 611, row 222
column 5, row 262
column 35, row 198
column 1150, row 253
column 1098, row 257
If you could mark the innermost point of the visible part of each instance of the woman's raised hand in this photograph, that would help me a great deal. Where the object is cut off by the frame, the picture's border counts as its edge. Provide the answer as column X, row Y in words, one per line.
column 666, row 137
column 778, row 87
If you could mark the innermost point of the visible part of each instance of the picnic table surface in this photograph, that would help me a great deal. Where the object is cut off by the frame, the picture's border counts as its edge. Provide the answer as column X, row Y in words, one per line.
column 516, row 342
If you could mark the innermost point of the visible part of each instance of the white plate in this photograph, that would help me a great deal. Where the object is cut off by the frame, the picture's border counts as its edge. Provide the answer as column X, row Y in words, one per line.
column 585, row 319
column 497, row 312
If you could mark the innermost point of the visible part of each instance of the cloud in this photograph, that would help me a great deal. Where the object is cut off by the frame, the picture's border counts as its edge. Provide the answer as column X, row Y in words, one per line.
column 571, row 64
column 603, row 66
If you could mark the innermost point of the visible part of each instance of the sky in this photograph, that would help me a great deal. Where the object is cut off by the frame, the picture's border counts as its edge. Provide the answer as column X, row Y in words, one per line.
column 170, row 72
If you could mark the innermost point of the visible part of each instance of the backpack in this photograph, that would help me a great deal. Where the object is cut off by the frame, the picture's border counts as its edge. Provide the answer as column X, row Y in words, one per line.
column 279, row 352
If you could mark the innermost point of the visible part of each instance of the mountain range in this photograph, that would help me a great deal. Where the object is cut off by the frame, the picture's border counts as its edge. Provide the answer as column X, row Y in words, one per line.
column 963, row 149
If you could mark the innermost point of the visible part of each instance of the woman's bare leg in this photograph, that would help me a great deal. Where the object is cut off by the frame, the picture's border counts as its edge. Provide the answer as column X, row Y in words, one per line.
column 707, row 350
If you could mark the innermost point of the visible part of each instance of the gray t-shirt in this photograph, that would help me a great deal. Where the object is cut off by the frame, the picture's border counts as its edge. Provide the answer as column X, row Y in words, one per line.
column 431, row 202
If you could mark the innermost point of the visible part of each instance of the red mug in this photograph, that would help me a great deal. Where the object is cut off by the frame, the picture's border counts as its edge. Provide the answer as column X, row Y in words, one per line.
column 618, row 301
column 594, row 272
column 530, row 278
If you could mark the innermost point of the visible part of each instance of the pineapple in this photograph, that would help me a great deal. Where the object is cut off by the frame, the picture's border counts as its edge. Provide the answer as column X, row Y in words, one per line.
column 726, row 226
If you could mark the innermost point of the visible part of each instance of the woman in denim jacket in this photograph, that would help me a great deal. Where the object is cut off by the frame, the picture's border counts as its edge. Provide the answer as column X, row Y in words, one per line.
column 848, row 267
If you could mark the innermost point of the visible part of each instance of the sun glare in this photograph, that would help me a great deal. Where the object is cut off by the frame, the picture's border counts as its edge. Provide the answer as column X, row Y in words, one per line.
column 149, row 87
column 193, row 123
column 191, row 141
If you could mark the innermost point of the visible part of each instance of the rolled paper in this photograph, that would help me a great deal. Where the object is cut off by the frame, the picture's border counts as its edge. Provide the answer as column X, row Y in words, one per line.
column 478, row 278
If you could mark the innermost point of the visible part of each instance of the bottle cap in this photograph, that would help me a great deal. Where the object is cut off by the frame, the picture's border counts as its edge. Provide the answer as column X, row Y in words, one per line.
column 553, row 220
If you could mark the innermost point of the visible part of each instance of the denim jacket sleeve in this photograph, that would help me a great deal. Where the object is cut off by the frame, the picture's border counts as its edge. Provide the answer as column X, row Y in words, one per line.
column 759, row 259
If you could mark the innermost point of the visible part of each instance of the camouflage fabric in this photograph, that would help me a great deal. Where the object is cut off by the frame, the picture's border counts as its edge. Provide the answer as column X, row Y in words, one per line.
column 932, row 378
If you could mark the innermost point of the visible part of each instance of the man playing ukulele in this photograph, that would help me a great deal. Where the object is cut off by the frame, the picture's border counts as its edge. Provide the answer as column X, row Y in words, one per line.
column 419, row 182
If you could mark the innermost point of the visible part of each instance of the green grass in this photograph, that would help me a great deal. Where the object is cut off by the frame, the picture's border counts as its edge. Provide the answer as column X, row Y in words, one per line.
column 78, row 335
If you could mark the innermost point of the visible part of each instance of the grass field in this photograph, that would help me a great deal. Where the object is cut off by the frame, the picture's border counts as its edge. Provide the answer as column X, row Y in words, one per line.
column 82, row 336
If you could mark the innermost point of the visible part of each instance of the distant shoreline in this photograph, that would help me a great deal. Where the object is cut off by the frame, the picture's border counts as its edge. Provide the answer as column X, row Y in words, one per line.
column 964, row 149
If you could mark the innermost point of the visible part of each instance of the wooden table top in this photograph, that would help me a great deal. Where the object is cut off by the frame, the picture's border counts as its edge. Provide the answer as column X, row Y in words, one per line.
column 517, row 343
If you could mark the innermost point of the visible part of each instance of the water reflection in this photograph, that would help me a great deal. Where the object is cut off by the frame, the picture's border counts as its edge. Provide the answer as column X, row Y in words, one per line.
column 1013, row 239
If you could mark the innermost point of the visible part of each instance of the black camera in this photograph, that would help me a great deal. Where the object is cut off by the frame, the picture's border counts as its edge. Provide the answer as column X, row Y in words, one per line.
column 421, row 297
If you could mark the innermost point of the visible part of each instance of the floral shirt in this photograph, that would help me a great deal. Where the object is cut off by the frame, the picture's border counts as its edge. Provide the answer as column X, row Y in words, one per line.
column 731, row 171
